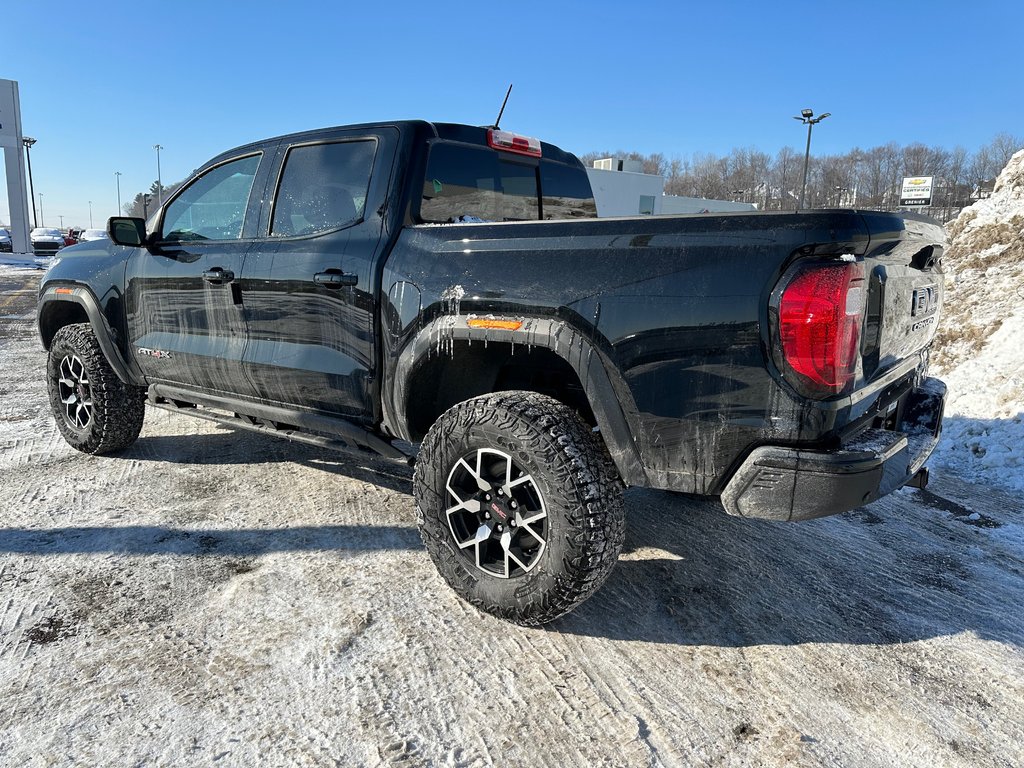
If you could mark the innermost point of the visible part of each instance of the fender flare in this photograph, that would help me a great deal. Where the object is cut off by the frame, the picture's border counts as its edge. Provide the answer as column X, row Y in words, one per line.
column 105, row 336
column 609, row 397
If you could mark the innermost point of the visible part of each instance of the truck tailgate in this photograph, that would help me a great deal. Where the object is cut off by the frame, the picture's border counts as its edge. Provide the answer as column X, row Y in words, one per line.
column 904, row 290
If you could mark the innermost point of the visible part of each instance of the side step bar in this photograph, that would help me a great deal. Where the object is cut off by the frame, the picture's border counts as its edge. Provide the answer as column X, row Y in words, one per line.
column 309, row 428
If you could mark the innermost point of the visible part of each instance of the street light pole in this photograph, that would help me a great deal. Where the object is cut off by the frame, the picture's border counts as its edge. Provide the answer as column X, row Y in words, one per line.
column 61, row 217
column 42, row 221
column 159, row 183
column 90, row 214
column 807, row 118
column 28, row 142
column 118, row 175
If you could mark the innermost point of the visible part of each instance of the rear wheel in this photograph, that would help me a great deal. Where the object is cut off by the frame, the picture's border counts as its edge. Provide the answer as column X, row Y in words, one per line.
column 520, row 505
column 95, row 411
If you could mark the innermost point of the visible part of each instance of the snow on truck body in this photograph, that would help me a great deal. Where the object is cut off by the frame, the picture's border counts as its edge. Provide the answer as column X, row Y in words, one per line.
column 372, row 286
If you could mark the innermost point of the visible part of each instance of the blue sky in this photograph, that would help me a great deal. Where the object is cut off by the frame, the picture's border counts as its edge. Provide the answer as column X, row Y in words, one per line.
column 101, row 83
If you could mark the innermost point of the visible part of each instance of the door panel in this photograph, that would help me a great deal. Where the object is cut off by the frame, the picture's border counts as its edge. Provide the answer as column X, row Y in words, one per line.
column 308, row 287
column 186, row 322
column 186, row 329
column 309, row 344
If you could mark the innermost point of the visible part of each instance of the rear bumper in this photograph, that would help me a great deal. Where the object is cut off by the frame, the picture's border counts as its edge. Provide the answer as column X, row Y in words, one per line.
column 781, row 483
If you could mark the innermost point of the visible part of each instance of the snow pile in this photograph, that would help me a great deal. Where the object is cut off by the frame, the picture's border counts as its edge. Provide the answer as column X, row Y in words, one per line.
column 979, row 350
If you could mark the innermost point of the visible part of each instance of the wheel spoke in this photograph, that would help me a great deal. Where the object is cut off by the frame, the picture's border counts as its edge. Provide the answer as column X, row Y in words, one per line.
column 506, row 544
column 510, row 484
column 533, row 518
column 464, row 505
column 506, row 539
column 519, row 562
column 481, row 534
column 478, row 541
column 532, row 532
column 482, row 484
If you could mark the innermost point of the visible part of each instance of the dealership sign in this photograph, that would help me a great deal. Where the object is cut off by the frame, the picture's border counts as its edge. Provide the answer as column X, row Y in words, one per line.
column 916, row 190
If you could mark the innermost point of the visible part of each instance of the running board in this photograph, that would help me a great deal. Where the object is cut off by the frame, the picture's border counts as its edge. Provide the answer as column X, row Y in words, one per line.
column 301, row 427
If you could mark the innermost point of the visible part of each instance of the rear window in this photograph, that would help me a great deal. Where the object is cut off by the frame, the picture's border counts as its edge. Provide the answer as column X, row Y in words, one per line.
column 466, row 183
column 566, row 191
column 323, row 187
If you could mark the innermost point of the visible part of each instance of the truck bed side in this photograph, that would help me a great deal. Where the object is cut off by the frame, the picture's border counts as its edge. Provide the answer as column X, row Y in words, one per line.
column 673, row 309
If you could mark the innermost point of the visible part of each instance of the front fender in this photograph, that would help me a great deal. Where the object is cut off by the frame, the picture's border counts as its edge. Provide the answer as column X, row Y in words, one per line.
column 54, row 310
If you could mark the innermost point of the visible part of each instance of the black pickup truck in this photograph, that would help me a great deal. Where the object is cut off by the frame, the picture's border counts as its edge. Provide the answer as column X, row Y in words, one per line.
column 446, row 291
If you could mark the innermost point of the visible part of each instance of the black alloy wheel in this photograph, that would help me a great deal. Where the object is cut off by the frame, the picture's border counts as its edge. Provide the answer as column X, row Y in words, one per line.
column 519, row 504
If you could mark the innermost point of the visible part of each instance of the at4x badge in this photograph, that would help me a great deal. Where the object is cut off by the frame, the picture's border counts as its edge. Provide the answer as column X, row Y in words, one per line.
column 159, row 354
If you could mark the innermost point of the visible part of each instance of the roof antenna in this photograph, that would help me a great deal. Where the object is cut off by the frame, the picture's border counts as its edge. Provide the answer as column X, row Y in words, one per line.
column 502, row 112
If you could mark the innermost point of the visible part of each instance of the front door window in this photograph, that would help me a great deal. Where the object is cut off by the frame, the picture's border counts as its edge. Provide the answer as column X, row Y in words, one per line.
column 213, row 206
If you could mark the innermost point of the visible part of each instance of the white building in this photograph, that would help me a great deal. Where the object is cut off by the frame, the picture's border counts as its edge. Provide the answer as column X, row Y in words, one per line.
column 620, row 189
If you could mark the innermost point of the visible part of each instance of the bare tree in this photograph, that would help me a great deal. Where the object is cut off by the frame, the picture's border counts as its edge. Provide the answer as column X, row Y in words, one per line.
column 1003, row 147
column 865, row 178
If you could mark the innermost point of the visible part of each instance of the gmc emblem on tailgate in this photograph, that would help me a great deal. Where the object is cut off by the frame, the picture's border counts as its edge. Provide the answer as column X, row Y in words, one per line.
column 925, row 301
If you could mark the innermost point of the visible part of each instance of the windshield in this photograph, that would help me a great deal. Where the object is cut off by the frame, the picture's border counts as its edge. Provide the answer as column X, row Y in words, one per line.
column 46, row 232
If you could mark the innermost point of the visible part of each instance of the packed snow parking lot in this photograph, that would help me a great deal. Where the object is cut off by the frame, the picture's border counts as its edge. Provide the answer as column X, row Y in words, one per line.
column 212, row 596
column 209, row 596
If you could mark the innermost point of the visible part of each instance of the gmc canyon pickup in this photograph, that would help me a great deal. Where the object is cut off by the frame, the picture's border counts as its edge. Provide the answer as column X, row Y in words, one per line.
column 447, row 291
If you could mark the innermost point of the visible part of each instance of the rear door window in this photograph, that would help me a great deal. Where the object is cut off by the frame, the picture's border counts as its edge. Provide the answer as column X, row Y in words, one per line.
column 323, row 187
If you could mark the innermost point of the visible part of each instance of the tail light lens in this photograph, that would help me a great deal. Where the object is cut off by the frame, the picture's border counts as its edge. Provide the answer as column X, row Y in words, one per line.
column 820, row 312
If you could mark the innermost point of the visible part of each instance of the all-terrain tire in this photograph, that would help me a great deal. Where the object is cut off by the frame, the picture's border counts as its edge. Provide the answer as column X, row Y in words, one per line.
column 558, row 470
column 95, row 411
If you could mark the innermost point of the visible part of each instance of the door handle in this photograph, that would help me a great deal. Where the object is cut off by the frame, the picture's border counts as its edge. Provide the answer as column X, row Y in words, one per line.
column 335, row 278
column 218, row 276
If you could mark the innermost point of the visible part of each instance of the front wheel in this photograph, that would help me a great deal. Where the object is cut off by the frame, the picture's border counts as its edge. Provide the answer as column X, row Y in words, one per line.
column 520, row 505
column 95, row 411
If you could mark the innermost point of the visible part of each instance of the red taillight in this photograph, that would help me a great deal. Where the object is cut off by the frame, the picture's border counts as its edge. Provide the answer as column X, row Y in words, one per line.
column 820, row 314
column 512, row 142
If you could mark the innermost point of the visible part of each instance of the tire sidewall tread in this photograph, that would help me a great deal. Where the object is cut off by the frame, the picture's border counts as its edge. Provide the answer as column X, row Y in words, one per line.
column 118, row 408
column 575, row 475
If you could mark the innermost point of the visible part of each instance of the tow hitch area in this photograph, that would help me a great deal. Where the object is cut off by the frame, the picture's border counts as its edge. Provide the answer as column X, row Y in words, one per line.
column 920, row 479
column 785, row 483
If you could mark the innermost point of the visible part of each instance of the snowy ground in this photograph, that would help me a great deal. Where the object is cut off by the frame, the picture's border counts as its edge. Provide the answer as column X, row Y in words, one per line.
column 978, row 351
column 216, row 597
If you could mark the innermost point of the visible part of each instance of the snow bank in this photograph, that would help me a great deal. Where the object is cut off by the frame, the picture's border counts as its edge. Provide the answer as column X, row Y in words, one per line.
column 979, row 349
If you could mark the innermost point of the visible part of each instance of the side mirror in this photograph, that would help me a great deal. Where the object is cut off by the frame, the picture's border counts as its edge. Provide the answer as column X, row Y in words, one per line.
column 124, row 230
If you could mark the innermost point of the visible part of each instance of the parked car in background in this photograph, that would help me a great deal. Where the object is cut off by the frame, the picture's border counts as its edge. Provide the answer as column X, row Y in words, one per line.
column 93, row 234
column 46, row 241
column 5, row 242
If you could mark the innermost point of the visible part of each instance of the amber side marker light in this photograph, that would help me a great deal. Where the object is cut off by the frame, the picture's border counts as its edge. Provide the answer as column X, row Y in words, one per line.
column 65, row 291
column 502, row 325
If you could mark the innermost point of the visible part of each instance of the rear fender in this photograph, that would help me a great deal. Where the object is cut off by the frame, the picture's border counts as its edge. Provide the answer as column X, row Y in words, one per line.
column 609, row 398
